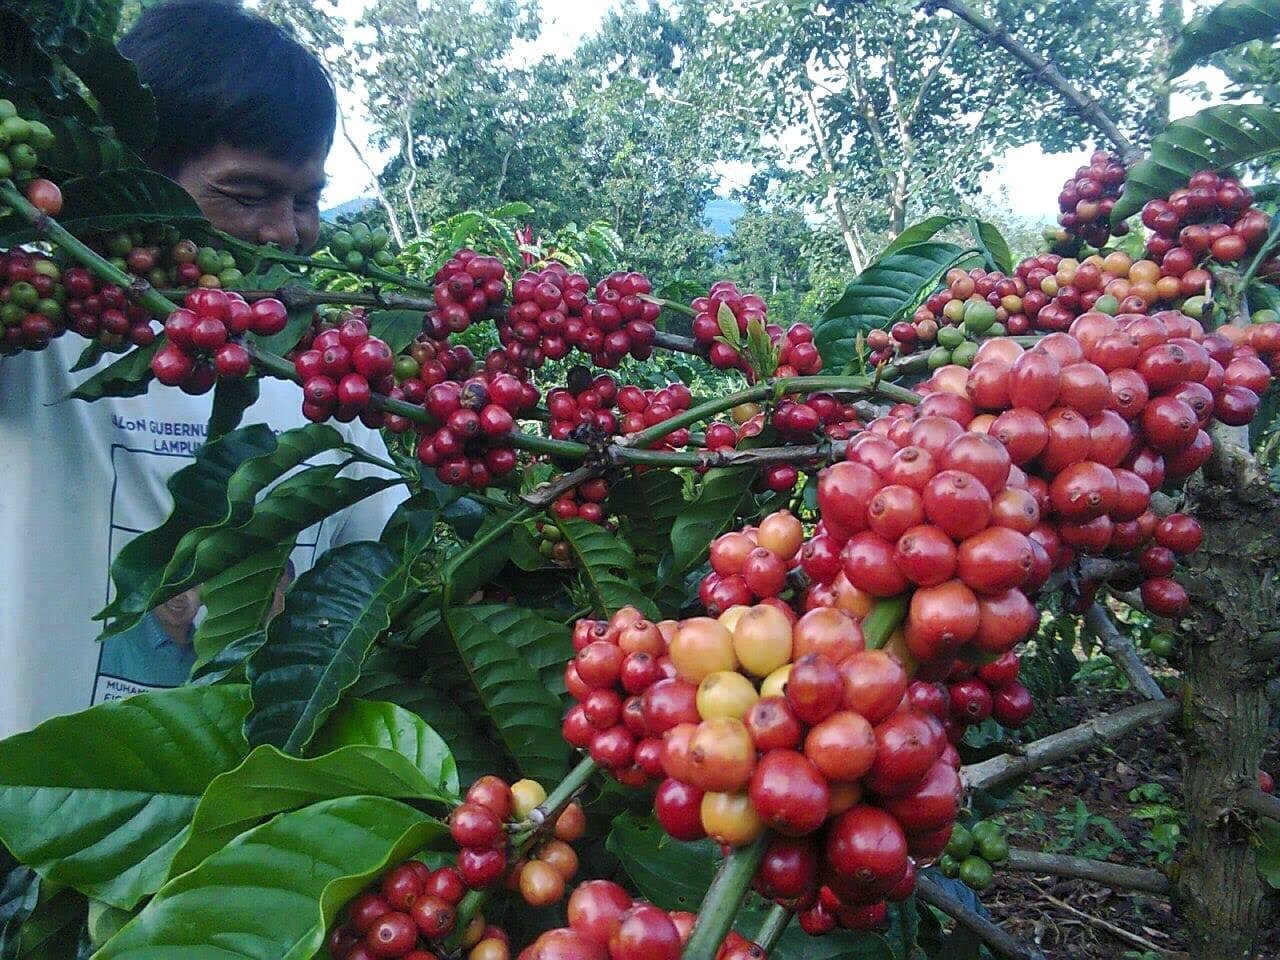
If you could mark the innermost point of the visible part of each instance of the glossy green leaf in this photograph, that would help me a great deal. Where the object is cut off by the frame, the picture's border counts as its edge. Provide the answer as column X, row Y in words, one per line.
column 227, row 665
column 604, row 562
column 397, row 328
column 994, row 247
column 220, row 490
column 122, row 199
column 380, row 724
column 503, row 649
column 926, row 229
column 271, row 893
column 315, row 647
column 1229, row 24
column 881, row 295
column 710, row 513
column 99, row 799
column 1213, row 139
column 130, row 376
column 470, row 743
column 237, row 601
column 469, row 575
column 292, row 506
column 648, row 505
column 670, row 873
column 269, row 782
column 121, row 98
column 231, row 398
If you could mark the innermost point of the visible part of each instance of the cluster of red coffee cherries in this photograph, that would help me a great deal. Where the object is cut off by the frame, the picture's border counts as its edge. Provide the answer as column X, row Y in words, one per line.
column 468, row 288
column 988, row 690
column 1213, row 217
column 606, row 923
column 203, row 338
column 340, row 372
column 413, row 911
column 473, row 419
column 796, row 353
column 752, row 564
column 1087, row 199
column 101, row 311
column 31, row 311
column 1091, row 421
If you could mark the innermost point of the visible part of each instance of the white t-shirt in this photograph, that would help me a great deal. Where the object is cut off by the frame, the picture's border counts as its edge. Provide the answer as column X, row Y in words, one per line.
column 79, row 480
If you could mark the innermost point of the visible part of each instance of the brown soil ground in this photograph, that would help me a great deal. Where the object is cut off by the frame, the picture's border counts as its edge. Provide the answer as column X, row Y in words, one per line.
column 1045, row 815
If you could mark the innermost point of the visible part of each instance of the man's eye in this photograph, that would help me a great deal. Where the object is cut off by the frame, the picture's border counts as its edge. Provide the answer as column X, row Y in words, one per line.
column 307, row 202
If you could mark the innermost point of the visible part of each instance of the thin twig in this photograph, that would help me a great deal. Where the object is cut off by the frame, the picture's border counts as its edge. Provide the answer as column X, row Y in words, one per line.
column 1067, row 743
column 1133, row 938
column 1113, row 875
column 932, row 893
column 1122, row 652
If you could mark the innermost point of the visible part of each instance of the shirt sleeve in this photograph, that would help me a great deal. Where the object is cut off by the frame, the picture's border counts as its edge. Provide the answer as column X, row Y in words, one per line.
column 366, row 519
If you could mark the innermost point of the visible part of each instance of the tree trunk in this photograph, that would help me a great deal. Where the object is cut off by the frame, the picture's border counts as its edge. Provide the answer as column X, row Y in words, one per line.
column 1234, row 602
column 392, row 219
column 833, row 195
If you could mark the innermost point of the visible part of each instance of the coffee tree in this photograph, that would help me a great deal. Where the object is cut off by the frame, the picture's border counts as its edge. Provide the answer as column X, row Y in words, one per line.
column 683, row 632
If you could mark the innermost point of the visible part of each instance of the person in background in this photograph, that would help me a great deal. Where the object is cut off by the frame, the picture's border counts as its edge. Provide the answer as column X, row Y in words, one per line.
column 246, row 119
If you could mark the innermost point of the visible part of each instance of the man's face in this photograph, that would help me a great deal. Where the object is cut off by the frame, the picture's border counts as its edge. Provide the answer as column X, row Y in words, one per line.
column 255, row 197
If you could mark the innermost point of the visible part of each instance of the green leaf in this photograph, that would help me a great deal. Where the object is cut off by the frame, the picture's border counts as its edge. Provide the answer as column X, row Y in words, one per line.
column 237, row 602
column 381, row 724
column 729, row 326
column 648, row 504
column 119, row 200
column 271, row 893
column 503, row 649
column 881, row 295
column 130, row 376
column 672, row 874
column 473, row 750
column 81, row 149
column 315, row 647
column 1268, row 857
column 710, row 513
column 994, row 247
column 124, row 102
column 292, row 506
column 926, row 229
column 89, row 356
column 269, row 782
column 469, row 576
column 220, row 488
column 99, row 799
column 515, row 209
column 1227, row 25
column 227, row 665
column 397, row 327
column 604, row 560
column 1212, row 139
column 231, row 398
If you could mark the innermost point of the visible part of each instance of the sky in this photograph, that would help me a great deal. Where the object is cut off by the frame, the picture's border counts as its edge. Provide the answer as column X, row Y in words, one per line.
column 1026, row 178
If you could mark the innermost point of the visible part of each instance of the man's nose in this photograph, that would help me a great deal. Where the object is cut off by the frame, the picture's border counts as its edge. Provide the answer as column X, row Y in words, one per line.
column 280, row 228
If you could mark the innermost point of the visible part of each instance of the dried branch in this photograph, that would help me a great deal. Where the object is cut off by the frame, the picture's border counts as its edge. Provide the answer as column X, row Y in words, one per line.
column 1043, row 70
column 1263, row 804
column 1112, row 875
column 1067, row 743
column 1122, row 652
column 932, row 893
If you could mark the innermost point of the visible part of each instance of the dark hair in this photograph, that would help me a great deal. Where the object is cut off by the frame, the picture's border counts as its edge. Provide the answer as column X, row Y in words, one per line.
column 222, row 74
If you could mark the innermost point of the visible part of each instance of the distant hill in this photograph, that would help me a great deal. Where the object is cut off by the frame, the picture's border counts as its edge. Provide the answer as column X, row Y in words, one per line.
column 721, row 215
column 346, row 209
